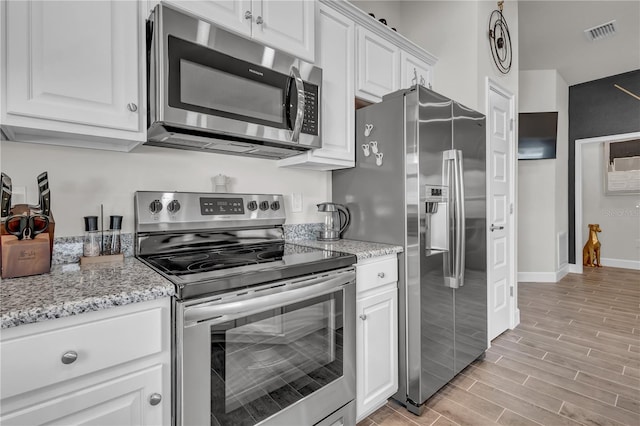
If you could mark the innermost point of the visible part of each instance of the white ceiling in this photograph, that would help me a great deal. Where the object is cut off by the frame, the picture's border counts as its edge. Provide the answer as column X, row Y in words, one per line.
column 551, row 36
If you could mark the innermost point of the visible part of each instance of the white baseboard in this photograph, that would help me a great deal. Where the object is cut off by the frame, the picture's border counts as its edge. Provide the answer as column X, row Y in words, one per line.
column 575, row 269
column 544, row 277
column 536, row 277
column 562, row 272
column 621, row 263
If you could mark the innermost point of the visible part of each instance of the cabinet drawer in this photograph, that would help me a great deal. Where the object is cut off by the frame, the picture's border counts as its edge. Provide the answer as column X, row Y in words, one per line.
column 376, row 274
column 36, row 360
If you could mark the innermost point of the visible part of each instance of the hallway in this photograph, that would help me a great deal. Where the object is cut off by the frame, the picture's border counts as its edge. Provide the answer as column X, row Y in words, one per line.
column 574, row 359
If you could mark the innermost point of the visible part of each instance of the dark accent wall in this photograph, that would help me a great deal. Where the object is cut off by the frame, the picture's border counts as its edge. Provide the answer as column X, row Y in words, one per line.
column 597, row 108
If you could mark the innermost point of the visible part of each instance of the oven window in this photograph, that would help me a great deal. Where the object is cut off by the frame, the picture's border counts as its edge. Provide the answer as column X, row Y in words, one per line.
column 261, row 364
column 214, row 89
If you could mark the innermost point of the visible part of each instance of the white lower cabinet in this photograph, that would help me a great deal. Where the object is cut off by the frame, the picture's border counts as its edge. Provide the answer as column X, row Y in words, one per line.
column 376, row 333
column 107, row 367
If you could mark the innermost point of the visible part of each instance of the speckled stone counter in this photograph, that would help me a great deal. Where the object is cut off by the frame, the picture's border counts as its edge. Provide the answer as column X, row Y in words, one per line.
column 73, row 289
column 362, row 249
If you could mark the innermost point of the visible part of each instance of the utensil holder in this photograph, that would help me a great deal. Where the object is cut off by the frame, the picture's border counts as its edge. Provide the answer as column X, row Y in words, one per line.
column 21, row 258
column 10, row 242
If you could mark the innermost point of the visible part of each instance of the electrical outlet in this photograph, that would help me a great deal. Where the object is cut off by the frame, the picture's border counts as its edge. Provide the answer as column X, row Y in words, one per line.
column 296, row 202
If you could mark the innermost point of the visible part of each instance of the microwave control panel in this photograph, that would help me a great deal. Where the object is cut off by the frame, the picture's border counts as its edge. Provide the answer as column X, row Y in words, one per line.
column 310, row 121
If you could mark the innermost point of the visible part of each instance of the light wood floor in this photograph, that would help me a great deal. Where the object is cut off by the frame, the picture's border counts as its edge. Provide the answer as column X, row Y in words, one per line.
column 574, row 359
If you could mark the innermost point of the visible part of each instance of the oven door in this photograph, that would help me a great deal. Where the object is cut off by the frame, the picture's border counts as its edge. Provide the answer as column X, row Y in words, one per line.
column 282, row 353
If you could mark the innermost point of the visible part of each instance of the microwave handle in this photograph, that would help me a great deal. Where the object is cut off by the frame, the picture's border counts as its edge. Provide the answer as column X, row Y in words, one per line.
column 297, row 125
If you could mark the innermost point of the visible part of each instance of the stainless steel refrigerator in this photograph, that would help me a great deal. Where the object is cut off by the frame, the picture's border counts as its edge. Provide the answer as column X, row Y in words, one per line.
column 419, row 182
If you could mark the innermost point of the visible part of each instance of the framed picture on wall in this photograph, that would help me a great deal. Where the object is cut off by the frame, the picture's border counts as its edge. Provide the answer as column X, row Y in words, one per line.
column 622, row 167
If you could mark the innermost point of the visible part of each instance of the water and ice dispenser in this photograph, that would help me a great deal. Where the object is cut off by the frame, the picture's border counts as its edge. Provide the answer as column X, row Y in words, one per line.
column 436, row 218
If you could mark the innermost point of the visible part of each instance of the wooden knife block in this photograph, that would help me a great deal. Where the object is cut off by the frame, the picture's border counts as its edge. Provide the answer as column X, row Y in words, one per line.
column 21, row 258
column 5, row 238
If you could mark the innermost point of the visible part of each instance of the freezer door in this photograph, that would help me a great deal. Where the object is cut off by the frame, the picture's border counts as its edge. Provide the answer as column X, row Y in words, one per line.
column 430, row 324
column 471, row 298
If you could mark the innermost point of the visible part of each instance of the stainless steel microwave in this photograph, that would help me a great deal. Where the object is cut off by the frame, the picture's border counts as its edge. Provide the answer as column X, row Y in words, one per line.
column 212, row 90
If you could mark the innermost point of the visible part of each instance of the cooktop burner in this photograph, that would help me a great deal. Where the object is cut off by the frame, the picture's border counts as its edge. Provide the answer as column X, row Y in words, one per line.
column 213, row 260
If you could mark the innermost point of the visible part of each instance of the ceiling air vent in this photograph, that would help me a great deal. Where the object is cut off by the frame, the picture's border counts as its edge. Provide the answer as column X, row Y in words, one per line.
column 601, row 31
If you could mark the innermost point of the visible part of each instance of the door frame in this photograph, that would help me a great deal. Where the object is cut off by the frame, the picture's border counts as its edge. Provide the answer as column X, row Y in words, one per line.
column 492, row 85
column 576, row 268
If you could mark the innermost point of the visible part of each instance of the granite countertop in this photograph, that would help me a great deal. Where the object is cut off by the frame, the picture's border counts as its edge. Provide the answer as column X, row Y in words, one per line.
column 72, row 289
column 362, row 249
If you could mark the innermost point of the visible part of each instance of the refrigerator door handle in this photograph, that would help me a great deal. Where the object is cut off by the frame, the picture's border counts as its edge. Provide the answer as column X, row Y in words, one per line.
column 460, row 218
column 453, row 176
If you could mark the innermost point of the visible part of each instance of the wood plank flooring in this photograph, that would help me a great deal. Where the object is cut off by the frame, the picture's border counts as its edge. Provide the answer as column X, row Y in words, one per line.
column 573, row 360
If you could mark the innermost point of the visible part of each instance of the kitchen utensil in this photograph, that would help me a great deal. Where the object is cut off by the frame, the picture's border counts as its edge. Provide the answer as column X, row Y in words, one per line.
column 334, row 226
column 26, row 226
column 43, row 187
column 6, row 195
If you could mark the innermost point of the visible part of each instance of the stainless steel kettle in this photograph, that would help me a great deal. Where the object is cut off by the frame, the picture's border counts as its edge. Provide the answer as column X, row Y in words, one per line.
column 336, row 221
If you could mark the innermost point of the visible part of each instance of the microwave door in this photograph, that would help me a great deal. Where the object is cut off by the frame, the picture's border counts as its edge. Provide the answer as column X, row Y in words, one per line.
column 295, row 104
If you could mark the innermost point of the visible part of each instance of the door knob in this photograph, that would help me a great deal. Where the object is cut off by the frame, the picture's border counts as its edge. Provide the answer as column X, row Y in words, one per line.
column 259, row 20
column 132, row 107
column 363, row 317
column 248, row 15
column 494, row 228
column 380, row 274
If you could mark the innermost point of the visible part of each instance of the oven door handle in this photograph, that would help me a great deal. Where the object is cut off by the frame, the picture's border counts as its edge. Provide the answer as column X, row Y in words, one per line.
column 216, row 310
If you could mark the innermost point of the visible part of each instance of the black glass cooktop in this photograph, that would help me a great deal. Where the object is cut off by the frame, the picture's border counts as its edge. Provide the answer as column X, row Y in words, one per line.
column 214, row 260
column 207, row 271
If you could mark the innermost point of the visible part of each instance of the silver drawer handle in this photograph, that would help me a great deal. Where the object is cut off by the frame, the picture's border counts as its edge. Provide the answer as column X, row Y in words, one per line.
column 155, row 399
column 493, row 228
column 363, row 317
column 69, row 357
column 132, row 107
column 380, row 274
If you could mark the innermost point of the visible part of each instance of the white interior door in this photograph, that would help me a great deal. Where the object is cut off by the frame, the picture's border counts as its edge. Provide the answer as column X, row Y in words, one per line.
column 499, row 166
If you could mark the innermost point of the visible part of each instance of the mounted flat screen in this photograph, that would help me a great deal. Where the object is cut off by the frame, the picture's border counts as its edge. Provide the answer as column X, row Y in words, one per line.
column 537, row 133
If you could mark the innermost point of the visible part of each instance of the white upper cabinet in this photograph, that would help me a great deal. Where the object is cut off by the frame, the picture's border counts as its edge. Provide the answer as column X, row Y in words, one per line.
column 74, row 69
column 335, row 46
column 414, row 71
column 377, row 66
column 281, row 24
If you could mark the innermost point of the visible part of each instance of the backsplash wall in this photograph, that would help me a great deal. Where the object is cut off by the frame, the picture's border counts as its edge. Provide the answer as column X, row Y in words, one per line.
column 82, row 179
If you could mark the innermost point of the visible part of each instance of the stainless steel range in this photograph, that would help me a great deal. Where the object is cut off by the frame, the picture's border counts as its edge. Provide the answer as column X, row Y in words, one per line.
column 264, row 330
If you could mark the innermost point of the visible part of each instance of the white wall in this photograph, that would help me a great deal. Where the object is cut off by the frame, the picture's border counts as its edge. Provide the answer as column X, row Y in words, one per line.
column 82, row 179
column 542, row 184
column 617, row 215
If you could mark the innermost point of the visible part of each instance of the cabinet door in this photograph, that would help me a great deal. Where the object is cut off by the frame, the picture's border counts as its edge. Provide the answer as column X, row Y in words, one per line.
column 286, row 25
column 123, row 401
column 414, row 71
column 376, row 350
column 335, row 40
column 377, row 66
column 234, row 15
column 74, row 64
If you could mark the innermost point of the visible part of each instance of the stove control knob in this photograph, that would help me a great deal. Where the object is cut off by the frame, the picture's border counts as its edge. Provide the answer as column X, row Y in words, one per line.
column 252, row 205
column 275, row 205
column 155, row 207
column 264, row 205
column 173, row 206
